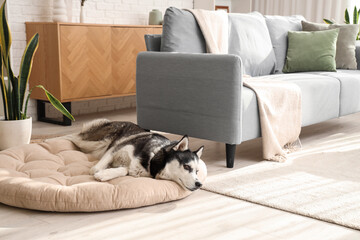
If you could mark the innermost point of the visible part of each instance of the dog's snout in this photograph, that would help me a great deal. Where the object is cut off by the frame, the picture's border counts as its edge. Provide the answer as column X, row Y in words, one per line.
column 198, row 184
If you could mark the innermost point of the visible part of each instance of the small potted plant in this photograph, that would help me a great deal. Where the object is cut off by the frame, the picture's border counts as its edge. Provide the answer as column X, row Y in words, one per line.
column 82, row 11
column 355, row 15
column 15, row 128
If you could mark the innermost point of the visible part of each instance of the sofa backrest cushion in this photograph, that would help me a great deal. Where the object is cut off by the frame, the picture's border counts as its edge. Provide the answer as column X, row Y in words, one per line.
column 249, row 38
column 357, row 54
column 278, row 27
column 345, row 47
column 181, row 33
column 153, row 42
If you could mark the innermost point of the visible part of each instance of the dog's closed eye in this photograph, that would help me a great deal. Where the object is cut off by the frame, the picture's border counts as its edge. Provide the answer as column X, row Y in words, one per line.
column 187, row 167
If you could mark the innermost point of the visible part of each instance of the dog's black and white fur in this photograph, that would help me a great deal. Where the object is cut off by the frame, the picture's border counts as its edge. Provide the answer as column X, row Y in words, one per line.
column 124, row 148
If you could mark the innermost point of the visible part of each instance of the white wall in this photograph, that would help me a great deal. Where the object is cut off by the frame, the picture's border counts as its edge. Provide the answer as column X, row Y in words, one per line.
column 241, row 6
column 312, row 10
column 204, row 4
column 97, row 11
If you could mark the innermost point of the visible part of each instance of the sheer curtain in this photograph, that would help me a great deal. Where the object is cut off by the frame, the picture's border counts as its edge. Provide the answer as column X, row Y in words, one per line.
column 312, row 10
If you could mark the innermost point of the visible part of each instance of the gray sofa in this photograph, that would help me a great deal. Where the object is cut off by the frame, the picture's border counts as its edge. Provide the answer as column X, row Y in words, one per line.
column 202, row 95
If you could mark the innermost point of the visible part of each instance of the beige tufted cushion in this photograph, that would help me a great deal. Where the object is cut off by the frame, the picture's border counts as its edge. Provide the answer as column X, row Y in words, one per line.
column 54, row 176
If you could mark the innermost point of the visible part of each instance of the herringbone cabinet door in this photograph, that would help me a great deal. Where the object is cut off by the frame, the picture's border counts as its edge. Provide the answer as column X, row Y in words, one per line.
column 126, row 44
column 85, row 54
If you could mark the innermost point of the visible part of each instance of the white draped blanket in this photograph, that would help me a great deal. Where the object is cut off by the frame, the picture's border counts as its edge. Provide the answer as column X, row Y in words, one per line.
column 212, row 27
column 280, row 115
column 279, row 102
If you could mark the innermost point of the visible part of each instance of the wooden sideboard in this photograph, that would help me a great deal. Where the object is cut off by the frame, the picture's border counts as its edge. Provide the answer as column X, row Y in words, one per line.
column 86, row 61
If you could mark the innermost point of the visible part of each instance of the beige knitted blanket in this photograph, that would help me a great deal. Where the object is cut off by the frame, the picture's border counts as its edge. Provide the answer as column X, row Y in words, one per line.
column 279, row 101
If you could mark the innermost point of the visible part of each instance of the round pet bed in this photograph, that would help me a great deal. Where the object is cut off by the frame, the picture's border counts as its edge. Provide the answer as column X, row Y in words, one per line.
column 54, row 176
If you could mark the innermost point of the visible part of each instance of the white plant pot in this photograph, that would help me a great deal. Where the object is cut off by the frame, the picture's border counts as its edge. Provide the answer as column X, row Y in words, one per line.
column 15, row 133
column 82, row 14
column 59, row 11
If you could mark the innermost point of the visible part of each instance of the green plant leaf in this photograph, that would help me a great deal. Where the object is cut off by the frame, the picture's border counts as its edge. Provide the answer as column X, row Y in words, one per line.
column 3, row 88
column 10, row 104
column 24, row 115
column 5, row 34
column 356, row 16
column 15, row 105
column 328, row 21
column 14, row 109
column 16, row 97
column 56, row 103
column 26, row 66
column 347, row 17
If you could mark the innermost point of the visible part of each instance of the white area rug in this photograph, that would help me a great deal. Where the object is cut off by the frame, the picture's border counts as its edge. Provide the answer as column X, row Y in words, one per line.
column 321, row 181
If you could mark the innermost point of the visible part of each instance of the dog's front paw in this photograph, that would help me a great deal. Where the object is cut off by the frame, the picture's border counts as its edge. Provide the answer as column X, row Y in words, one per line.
column 102, row 176
column 94, row 170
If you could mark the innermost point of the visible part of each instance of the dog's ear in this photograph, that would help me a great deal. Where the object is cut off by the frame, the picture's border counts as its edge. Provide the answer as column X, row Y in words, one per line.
column 182, row 145
column 199, row 151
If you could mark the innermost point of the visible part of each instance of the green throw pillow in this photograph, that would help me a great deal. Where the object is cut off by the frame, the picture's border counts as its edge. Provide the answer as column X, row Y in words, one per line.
column 345, row 47
column 311, row 51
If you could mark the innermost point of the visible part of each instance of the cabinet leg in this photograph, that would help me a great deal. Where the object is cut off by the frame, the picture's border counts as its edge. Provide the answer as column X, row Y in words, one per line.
column 230, row 155
column 42, row 114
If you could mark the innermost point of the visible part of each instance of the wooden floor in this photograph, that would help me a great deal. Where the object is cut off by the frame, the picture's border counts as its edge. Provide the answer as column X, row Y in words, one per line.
column 202, row 215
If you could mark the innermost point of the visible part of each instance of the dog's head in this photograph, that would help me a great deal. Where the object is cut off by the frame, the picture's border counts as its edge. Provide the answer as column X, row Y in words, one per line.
column 182, row 165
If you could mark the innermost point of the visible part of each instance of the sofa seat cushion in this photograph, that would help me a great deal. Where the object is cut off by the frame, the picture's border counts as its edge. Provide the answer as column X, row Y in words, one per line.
column 320, row 101
column 251, row 121
column 350, row 90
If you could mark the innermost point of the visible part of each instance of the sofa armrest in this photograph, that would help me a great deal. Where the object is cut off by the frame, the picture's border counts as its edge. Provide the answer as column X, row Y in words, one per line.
column 357, row 54
column 153, row 42
column 194, row 94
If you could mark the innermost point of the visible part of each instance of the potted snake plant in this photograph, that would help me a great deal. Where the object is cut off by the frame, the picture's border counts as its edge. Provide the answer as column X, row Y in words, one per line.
column 356, row 14
column 16, row 125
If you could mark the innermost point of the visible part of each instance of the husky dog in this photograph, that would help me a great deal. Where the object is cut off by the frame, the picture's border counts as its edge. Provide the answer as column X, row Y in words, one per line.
column 124, row 148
